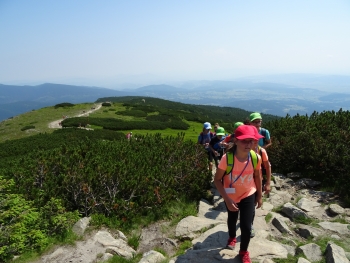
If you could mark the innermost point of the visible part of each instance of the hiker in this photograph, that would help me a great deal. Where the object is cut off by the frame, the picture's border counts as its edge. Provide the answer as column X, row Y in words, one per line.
column 129, row 135
column 265, row 171
column 204, row 139
column 256, row 120
column 215, row 145
column 216, row 126
column 238, row 181
column 229, row 139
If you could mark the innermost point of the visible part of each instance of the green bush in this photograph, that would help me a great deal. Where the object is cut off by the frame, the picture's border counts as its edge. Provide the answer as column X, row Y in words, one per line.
column 62, row 105
column 106, row 104
column 25, row 227
column 134, row 113
column 120, row 178
column 315, row 146
column 28, row 127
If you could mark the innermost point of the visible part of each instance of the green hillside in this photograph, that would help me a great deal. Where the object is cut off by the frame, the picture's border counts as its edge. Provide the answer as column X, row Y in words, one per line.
column 127, row 114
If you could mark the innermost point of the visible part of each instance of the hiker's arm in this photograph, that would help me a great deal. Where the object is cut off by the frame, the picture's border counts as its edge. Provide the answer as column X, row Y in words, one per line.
column 257, row 180
column 231, row 205
column 212, row 149
column 268, row 177
column 268, row 143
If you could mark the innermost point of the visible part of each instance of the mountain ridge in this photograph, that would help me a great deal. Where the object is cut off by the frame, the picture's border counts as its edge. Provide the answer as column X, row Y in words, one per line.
column 266, row 97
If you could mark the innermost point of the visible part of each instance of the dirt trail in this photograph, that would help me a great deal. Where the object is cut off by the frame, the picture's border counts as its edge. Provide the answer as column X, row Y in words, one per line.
column 56, row 125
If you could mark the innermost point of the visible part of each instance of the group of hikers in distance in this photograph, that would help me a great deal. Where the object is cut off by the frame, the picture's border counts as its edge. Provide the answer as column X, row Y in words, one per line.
column 243, row 173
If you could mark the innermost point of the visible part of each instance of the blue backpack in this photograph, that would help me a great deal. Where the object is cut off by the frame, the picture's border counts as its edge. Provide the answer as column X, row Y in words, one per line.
column 202, row 137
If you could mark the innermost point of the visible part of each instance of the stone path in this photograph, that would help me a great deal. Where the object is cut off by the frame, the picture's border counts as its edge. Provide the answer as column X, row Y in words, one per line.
column 275, row 238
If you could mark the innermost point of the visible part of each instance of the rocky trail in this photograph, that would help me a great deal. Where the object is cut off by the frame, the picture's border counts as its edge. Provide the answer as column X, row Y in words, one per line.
column 275, row 238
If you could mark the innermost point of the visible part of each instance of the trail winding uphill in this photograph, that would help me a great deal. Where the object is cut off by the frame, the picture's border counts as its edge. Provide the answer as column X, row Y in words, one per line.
column 56, row 125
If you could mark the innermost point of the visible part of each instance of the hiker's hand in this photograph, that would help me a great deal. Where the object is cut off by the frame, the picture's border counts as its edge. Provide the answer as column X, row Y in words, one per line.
column 224, row 144
column 258, row 201
column 232, row 206
column 267, row 189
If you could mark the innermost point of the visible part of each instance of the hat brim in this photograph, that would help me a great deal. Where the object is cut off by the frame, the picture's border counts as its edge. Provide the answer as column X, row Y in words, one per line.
column 220, row 133
column 245, row 136
column 256, row 118
column 259, row 136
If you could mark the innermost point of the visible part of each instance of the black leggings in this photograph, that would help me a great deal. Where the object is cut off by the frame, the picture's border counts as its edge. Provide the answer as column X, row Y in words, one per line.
column 246, row 211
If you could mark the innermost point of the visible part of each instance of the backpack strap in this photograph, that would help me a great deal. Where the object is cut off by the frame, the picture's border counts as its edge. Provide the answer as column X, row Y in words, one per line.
column 254, row 158
column 260, row 151
column 230, row 160
column 263, row 133
column 201, row 134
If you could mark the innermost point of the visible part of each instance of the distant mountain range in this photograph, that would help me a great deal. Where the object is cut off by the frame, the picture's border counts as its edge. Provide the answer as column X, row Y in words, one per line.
column 249, row 94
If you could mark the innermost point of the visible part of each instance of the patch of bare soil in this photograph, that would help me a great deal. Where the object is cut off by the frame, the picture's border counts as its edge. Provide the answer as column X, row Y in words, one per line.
column 158, row 235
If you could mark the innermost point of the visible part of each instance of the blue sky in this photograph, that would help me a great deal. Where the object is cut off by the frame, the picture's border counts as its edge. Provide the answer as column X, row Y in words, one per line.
column 107, row 42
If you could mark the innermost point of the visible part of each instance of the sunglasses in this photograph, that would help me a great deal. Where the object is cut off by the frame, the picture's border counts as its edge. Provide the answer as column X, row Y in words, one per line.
column 257, row 121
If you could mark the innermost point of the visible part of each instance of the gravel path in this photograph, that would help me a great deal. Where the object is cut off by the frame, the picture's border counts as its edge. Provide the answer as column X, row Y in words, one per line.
column 56, row 125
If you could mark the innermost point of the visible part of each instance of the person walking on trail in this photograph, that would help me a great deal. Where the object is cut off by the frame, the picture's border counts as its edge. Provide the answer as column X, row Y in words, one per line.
column 216, row 126
column 229, row 139
column 265, row 172
column 238, row 181
column 129, row 135
column 204, row 139
column 256, row 121
column 216, row 146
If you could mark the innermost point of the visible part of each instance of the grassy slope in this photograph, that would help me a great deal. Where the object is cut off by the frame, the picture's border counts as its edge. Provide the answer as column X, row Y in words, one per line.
column 11, row 129
column 190, row 134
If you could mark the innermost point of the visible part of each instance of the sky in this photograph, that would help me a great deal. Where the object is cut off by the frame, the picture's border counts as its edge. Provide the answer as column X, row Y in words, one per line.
column 106, row 42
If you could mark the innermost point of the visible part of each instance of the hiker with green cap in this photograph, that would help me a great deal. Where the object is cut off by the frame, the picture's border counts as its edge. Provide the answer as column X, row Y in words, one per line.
column 256, row 120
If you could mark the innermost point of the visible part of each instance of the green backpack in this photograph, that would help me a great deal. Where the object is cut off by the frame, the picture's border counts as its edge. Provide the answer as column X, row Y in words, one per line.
column 230, row 160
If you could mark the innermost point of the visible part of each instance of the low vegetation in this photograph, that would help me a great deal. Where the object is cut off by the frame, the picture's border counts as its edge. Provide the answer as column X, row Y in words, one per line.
column 49, row 178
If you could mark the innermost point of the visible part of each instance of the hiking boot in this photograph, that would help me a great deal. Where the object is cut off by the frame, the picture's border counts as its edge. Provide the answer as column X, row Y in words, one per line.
column 252, row 232
column 245, row 256
column 231, row 243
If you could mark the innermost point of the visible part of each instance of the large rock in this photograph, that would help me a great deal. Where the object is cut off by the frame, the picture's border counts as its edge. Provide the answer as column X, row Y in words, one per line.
column 306, row 231
column 213, row 238
column 307, row 205
column 114, row 246
column 311, row 251
column 336, row 227
column 80, row 226
column 280, row 197
column 152, row 257
column 188, row 227
column 281, row 226
column 336, row 209
column 335, row 254
column 206, row 210
column 293, row 212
